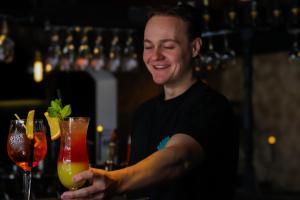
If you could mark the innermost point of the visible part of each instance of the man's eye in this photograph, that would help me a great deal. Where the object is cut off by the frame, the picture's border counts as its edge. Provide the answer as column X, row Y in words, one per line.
column 169, row 47
column 147, row 47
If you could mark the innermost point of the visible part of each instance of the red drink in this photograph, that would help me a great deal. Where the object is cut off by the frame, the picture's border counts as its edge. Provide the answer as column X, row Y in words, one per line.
column 20, row 149
column 27, row 146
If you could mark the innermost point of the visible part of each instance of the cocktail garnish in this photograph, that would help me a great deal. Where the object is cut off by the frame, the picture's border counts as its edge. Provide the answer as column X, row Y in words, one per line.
column 29, row 124
column 53, row 125
column 58, row 110
column 18, row 118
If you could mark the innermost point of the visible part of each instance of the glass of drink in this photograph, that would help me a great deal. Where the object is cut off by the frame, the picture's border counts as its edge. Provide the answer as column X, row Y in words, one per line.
column 26, row 153
column 73, row 155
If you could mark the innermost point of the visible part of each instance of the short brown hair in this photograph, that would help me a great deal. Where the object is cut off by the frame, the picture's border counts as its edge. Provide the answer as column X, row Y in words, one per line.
column 185, row 12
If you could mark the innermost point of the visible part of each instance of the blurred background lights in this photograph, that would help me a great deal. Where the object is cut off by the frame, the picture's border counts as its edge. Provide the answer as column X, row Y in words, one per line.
column 38, row 68
column 272, row 139
column 99, row 128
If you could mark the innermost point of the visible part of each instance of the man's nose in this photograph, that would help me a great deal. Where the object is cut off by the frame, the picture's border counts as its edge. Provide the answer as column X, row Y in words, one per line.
column 157, row 54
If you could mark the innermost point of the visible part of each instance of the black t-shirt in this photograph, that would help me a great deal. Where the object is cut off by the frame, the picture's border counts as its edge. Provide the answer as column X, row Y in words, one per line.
column 206, row 116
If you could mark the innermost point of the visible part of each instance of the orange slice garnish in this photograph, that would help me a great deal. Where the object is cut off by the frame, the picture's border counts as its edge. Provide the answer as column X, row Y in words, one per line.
column 53, row 125
column 29, row 124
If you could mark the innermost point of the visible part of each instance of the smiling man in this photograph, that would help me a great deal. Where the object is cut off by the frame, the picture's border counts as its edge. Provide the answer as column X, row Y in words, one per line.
column 184, row 141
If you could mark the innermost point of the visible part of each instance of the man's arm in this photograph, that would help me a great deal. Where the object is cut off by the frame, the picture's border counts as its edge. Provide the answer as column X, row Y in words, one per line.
column 181, row 153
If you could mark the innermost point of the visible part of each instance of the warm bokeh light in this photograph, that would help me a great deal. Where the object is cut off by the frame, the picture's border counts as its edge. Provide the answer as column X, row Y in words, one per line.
column 48, row 68
column 99, row 128
column 38, row 71
column 272, row 139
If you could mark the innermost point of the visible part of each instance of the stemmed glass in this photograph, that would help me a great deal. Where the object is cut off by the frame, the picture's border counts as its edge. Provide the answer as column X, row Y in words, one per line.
column 210, row 58
column 6, row 43
column 129, row 54
column 98, row 60
column 227, row 55
column 54, row 50
column 294, row 54
column 68, row 52
column 83, row 54
column 26, row 153
column 114, row 62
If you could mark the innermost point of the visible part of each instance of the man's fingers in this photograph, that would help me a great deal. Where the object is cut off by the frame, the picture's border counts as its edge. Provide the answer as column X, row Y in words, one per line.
column 94, row 191
column 98, row 171
column 85, row 175
column 84, row 193
column 80, row 193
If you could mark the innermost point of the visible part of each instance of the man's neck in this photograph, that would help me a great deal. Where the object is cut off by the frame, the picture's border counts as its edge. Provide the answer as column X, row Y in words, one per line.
column 175, row 89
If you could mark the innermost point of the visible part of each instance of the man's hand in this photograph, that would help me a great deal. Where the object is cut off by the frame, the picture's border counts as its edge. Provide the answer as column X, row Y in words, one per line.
column 101, row 185
column 181, row 153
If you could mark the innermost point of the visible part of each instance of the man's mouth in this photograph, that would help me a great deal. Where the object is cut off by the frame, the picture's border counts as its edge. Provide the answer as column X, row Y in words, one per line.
column 160, row 66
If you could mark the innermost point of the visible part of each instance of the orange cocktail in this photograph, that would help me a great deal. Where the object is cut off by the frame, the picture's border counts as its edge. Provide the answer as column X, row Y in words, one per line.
column 73, row 155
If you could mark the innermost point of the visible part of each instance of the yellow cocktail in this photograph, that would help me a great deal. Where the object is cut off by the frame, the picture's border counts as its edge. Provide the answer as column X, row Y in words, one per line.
column 67, row 170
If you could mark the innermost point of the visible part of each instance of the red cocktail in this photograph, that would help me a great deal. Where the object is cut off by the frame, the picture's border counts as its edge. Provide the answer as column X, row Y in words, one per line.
column 26, row 152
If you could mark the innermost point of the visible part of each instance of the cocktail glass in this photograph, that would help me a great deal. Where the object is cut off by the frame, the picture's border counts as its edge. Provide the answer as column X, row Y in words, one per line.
column 26, row 153
column 73, row 155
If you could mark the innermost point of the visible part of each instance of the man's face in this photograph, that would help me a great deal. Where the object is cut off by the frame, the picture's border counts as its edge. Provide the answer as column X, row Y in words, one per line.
column 167, row 50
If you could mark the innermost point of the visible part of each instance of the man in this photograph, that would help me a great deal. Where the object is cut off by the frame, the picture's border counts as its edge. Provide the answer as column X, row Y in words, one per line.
column 184, row 142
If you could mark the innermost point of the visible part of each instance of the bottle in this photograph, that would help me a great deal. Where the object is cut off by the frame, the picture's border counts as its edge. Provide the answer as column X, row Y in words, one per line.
column 110, row 163
column 112, row 158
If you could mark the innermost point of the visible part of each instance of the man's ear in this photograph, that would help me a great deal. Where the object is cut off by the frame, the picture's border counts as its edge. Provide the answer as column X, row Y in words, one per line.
column 196, row 45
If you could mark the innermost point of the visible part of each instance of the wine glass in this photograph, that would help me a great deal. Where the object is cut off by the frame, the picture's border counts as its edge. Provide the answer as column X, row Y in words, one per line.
column 210, row 58
column 54, row 50
column 294, row 54
column 114, row 61
column 227, row 55
column 26, row 153
column 6, row 43
column 129, row 62
column 68, row 52
column 98, row 60
column 73, row 155
column 84, row 53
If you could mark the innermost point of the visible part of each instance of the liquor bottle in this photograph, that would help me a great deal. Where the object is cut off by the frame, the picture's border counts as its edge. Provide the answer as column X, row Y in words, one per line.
column 112, row 158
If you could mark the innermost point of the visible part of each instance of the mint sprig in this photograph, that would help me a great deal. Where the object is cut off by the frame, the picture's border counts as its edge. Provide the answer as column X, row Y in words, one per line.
column 58, row 110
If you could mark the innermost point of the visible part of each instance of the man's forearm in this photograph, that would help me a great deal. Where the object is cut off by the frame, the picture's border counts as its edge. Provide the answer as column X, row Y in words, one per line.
column 162, row 165
column 181, row 153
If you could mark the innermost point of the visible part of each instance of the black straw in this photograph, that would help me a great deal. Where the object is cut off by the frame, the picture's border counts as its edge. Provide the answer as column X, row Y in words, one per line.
column 31, row 149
